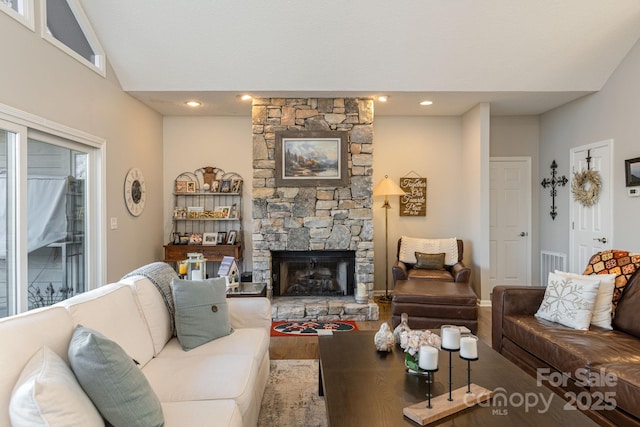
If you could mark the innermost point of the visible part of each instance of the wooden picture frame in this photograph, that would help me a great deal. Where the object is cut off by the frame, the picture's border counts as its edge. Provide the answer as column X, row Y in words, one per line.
column 210, row 239
column 632, row 171
column 192, row 186
column 311, row 159
column 236, row 185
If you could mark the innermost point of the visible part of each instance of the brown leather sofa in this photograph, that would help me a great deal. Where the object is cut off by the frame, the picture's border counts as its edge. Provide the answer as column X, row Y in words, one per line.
column 451, row 273
column 569, row 357
column 432, row 298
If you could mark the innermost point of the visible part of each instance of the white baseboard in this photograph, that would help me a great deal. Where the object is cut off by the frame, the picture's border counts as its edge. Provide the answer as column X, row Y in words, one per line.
column 485, row 303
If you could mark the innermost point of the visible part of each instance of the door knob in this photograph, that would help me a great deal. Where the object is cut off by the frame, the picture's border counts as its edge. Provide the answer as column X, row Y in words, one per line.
column 523, row 233
column 602, row 240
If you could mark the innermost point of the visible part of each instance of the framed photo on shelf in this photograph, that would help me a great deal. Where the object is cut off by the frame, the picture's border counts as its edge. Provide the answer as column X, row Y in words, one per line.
column 632, row 171
column 222, row 236
column 215, row 186
column 195, row 239
column 181, row 186
column 192, row 187
column 225, row 186
column 311, row 158
column 232, row 237
column 210, row 239
column 222, row 211
column 236, row 185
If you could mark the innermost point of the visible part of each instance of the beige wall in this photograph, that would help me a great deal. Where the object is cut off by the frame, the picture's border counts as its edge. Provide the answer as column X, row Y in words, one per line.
column 194, row 142
column 41, row 79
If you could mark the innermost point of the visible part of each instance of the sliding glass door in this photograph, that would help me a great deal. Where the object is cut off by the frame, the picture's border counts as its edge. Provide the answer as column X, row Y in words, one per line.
column 50, row 237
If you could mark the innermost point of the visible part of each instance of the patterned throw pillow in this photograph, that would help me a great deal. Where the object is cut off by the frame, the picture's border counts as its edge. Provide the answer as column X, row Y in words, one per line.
column 569, row 301
column 621, row 263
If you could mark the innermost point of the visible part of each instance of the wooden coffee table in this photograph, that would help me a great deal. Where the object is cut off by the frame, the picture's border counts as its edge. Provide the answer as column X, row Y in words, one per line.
column 363, row 387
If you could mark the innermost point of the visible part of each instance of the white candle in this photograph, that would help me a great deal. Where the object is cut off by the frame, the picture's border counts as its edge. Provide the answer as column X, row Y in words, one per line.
column 196, row 275
column 428, row 358
column 469, row 347
column 451, row 338
column 362, row 290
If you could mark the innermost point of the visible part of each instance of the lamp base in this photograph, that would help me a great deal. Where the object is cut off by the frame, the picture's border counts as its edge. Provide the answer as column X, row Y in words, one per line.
column 384, row 299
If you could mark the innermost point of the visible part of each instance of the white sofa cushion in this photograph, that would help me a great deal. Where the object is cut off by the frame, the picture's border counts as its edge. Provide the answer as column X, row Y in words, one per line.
column 22, row 336
column 154, row 310
column 202, row 413
column 48, row 394
column 410, row 245
column 247, row 341
column 113, row 311
column 224, row 376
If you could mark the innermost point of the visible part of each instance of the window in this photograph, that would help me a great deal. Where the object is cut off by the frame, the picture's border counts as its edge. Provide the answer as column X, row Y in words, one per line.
column 50, row 238
column 20, row 10
column 66, row 26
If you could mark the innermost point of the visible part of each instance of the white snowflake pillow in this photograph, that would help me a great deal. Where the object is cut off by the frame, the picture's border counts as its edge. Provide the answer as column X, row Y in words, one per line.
column 569, row 301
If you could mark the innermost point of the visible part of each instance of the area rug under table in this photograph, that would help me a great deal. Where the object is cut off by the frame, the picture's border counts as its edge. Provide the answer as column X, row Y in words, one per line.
column 291, row 396
column 308, row 328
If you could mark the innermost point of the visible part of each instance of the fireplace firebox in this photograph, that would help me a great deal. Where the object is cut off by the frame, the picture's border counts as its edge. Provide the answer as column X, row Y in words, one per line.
column 313, row 273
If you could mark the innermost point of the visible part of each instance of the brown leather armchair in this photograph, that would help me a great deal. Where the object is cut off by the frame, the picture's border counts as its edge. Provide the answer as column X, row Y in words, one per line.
column 454, row 273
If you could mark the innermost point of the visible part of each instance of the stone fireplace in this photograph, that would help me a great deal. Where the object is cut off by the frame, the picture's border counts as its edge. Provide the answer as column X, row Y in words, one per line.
column 303, row 219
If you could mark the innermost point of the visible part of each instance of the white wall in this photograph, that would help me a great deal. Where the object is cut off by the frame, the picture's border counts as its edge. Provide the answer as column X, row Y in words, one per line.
column 517, row 136
column 611, row 113
column 430, row 147
column 474, row 198
column 40, row 79
column 191, row 143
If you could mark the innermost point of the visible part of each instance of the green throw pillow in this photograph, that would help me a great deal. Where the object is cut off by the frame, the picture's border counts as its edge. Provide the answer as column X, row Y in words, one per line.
column 430, row 261
column 113, row 382
column 202, row 314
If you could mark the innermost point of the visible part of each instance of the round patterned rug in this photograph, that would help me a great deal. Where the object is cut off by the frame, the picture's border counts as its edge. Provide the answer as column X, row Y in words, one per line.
column 310, row 328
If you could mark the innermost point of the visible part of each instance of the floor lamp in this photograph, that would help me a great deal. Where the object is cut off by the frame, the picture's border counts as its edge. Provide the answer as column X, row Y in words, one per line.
column 386, row 188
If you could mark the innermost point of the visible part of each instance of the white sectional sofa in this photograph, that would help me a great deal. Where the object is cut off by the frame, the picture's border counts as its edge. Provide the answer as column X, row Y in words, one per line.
column 219, row 383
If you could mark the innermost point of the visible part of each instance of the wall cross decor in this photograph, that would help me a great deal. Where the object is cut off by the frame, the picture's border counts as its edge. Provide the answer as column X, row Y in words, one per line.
column 553, row 182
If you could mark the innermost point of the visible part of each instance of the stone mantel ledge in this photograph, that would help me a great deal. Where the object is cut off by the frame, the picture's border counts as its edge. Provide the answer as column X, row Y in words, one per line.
column 322, row 309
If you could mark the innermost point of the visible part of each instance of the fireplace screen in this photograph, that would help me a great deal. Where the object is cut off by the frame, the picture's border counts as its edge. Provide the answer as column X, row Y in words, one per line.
column 313, row 273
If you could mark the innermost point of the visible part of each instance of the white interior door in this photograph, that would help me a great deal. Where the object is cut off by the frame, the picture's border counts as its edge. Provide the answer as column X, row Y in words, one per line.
column 591, row 228
column 510, row 221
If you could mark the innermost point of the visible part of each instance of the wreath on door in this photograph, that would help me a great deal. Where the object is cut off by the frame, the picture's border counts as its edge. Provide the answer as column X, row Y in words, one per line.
column 585, row 187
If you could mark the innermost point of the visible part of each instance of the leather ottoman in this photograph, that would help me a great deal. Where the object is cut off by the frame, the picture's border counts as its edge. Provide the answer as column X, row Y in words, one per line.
column 431, row 304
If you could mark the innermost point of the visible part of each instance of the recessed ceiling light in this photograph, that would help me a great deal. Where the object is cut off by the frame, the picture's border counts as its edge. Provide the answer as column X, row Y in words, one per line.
column 426, row 102
column 246, row 97
column 193, row 103
column 383, row 98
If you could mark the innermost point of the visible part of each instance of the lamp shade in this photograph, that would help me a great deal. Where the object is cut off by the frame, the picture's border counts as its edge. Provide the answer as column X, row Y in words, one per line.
column 387, row 187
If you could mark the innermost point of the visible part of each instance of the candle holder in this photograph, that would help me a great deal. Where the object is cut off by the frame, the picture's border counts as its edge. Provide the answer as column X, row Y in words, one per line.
column 450, row 336
column 470, row 354
column 430, row 380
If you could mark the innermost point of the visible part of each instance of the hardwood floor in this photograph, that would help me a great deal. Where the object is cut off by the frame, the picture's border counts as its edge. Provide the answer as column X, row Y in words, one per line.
column 307, row 347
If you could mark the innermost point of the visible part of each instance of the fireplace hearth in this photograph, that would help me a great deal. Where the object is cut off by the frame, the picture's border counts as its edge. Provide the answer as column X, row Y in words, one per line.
column 313, row 273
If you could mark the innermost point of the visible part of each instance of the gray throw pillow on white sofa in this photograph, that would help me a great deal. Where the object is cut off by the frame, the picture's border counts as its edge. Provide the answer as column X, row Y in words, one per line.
column 202, row 314
column 113, row 382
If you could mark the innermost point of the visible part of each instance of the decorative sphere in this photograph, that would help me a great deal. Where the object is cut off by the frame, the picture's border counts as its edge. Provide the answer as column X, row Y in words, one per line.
column 206, row 186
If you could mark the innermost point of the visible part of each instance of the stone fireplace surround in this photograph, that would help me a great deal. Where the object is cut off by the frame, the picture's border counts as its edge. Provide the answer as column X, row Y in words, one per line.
column 313, row 218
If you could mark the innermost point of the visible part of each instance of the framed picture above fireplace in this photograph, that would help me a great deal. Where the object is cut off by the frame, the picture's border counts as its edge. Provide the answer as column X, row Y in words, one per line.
column 311, row 159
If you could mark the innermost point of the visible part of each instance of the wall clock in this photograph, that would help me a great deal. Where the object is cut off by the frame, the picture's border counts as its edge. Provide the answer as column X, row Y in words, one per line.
column 135, row 192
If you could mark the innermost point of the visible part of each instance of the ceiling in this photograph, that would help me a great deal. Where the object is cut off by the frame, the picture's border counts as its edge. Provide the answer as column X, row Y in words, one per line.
column 523, row 57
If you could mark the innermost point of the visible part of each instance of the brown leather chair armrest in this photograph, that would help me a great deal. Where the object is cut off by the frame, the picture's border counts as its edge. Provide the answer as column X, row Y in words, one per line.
column 461, row 273
column 507, row 300
column 399, row 270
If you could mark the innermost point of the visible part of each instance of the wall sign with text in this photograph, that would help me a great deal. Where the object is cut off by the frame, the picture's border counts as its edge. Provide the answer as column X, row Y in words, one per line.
column 414, row 203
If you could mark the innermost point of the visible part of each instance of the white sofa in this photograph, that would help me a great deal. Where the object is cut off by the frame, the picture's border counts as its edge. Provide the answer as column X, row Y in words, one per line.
column 220, row 383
